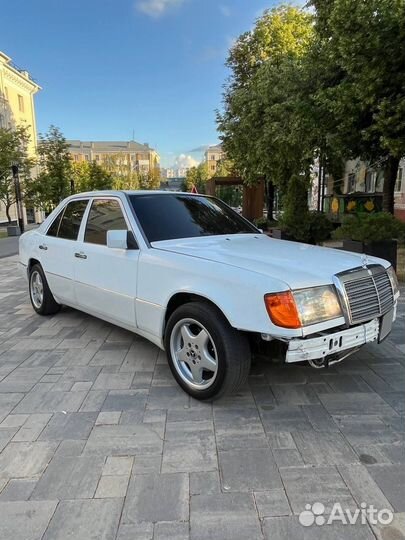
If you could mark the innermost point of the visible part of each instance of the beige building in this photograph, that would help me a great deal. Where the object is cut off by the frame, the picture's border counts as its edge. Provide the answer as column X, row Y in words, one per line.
column 141, row 157
column 213, row 155
column 17, row 91
column 361, row 189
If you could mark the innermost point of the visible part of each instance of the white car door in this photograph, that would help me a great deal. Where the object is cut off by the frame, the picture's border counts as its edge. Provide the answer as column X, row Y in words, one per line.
column 106, row 278
column 57, row 249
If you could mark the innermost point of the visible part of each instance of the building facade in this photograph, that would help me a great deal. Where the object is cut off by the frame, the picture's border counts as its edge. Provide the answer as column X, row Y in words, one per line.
column 361, row 190
column 167, row 173
column 213, row 155
column 140, row 157
column 180, row 172
column 17, row 91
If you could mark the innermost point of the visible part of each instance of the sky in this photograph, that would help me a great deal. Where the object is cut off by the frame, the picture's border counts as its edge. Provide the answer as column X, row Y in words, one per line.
column 152, row 70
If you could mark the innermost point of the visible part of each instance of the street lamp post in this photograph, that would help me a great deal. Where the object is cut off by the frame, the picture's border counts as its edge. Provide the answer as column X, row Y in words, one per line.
column 319, row 181
column 18, row 199
column 323, row 188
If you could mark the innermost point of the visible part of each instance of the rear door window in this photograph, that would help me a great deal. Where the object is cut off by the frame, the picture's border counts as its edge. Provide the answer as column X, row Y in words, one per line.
column 53, row 229
column 71, row 220
column 105, row 215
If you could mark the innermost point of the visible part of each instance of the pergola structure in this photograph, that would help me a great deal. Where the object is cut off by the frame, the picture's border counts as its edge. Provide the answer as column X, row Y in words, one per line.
column 253, row 196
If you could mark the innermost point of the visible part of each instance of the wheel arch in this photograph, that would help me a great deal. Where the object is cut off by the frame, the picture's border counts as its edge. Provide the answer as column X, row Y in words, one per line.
column 180, row 298
column 31, row 263
column 233, row 358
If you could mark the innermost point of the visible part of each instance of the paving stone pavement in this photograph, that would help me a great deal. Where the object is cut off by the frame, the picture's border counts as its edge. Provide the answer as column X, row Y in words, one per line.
column 97, row 441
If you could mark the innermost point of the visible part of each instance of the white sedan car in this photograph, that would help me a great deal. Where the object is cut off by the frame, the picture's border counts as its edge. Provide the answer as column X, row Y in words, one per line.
column 191, row 275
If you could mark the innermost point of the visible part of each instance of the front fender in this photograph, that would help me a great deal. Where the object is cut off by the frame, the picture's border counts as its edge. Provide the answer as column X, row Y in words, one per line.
column 238, row 293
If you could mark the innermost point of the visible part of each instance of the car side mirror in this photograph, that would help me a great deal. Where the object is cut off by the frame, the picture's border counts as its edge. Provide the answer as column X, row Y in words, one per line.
column 121, row 239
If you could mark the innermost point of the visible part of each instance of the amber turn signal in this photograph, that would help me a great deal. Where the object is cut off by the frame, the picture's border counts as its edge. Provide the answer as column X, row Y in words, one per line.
column 282, row 309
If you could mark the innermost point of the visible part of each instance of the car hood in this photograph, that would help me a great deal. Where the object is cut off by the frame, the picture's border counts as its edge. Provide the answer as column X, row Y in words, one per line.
column 298, row 265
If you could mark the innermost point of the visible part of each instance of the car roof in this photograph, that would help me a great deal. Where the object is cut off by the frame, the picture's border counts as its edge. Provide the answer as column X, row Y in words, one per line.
column 132, row 192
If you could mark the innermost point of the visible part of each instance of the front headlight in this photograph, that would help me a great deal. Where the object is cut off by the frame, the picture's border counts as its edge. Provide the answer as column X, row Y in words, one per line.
column 394, row 280
column 317, row 304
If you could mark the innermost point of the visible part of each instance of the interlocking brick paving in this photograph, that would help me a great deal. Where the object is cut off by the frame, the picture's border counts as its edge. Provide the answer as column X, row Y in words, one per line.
column 98, row 441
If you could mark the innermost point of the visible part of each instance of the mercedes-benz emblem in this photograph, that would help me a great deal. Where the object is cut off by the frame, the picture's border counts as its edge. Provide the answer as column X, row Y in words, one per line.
column 364, row 260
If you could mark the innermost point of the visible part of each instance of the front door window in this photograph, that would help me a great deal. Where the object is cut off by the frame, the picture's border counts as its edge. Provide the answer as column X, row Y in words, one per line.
column 105, row 215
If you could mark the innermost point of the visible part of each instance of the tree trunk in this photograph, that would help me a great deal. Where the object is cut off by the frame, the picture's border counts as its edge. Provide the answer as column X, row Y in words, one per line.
column 270, row 200
column 8, row 213
column 390, row 176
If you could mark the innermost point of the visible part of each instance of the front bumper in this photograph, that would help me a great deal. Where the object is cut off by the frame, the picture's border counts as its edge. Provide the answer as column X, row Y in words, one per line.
column 300, row 350
column 22, row 270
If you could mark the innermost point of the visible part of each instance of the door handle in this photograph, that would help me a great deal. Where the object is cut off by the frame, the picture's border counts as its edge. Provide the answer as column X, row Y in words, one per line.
column 81, row 255
column 43, row 246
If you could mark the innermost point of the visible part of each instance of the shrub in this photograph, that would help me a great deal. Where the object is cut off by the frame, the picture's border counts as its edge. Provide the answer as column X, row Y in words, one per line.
column 261, row 223
column 264, row 223
column 370, row 228
column 295, row 220
column 320, row 227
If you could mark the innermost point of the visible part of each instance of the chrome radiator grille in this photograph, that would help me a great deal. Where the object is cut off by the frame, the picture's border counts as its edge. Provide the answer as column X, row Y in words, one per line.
column 368, row 293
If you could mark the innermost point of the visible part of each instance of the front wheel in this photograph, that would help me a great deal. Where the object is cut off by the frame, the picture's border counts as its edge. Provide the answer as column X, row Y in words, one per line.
column 208, row 358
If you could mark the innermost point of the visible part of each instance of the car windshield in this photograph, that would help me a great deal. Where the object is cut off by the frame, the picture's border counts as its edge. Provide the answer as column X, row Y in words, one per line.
column 172, row 216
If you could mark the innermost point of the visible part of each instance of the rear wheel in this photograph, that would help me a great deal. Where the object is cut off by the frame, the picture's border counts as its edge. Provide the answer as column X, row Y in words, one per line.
column 207, row 357
column 41, row 297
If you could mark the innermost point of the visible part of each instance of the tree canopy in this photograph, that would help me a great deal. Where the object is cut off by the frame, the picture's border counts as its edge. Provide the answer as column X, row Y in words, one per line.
column 262, row 125
column 89, row 176
column 13, row 151
column 59, row 176
column 197, row 177
column 362, row 44
column 53, row 183
column 327, row 81
column 282, row 31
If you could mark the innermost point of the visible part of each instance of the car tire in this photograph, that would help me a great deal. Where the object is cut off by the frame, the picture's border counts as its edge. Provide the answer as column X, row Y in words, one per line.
column 42, row 299
column 201, row 344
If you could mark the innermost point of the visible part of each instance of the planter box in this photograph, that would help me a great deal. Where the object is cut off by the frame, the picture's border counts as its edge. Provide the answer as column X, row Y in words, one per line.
column 13, row 230
column 281, row 235
column 385, row 249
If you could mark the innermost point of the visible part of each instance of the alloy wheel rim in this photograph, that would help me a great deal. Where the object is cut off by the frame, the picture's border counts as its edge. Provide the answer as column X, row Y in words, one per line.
column 37, row 289
column 194, row 354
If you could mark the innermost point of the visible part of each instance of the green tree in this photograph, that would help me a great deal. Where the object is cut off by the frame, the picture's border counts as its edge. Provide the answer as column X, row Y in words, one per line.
column 13, row 151
column 150, row 180
column 279, row 32
column 295, row 219
column 191, row 179
column 225, row 167
column 124, row 177
column 129, row 180
column 90, row 176
column 202, row 175
column 360, row 49
column 80, row 175
column 99, row 178
column 265, row 127
column 197, row 177
column 54, row 181
column 155, row 177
